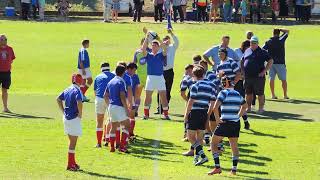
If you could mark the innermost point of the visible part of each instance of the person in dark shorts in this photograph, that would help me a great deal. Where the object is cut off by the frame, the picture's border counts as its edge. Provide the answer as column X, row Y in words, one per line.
column 6, row 59
column 254, row 68
column 199, row 109
column 232, row 106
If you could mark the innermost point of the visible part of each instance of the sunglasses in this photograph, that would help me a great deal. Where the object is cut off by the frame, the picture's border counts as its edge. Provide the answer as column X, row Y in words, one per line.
column 3, row 39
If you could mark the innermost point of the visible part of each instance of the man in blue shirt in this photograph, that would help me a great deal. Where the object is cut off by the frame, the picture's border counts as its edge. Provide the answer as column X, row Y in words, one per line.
column 156, row 60
column 213, row 53
column 72, row 114
column 254, row 68
column 84, row 68
column 136, row 92
column 276, row 48
column 198, row 111
column 232, row 106
column 100, row 85
column 115, row 96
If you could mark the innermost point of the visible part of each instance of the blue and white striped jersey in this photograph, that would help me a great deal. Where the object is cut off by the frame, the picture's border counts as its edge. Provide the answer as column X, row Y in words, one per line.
column 202, row 92
column 229, row 67
column 186, row 83
column 231, row 101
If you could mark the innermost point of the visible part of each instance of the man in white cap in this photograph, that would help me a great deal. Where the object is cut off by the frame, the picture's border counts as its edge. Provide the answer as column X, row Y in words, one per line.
column 254, row 68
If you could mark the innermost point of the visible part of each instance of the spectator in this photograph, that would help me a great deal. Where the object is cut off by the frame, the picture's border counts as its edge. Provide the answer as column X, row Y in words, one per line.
column 276, row 48
column 138, row 4
column 107, row 10
column 227, row 10
column 236, row 5
column 201, row 10
column 115, row 10
column 158, row 5
column 25, row 7
column 35, row 8
column 177, row 9
column 42, row 4
column 253, row 66
column 213, row 52
column 184, row 4
column 214, row 10
column 168, row 72
column 63, row 8
column 240, row 51
column 239, row 86
column 283, row 14
column 275, row 10
column 306, row 10
column 249, row 34
column 243, row 8
column 265, row 8
column 6, row 59
column 254, row 11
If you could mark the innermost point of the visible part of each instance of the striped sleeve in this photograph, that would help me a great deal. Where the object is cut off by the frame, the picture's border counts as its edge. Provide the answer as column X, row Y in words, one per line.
column 242, row 100
column 184, row 84
column 222, row 96
column 234, row 66
column 193, row 92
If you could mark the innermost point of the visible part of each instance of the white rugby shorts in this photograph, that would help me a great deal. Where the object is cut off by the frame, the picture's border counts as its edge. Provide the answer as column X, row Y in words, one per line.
column 155, row 83
column 72, row 127
column 117, row 113
column 88, row 73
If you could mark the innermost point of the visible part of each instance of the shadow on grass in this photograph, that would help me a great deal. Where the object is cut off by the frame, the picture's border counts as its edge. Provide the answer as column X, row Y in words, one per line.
column 22, row 116
column 102, row 175
column 152, row 149
column 294, row 101
column 257, row 133
column 279, row 116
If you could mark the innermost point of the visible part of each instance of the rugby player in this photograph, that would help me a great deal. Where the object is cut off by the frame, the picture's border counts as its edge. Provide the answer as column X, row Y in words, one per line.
column 72, row 114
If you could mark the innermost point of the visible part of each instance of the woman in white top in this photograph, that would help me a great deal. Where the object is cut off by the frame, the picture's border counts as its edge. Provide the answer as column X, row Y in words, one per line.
column 239, row 51
column 239, row 86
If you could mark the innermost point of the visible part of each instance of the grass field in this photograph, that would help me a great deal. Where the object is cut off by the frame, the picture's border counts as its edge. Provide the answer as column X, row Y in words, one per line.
column 283, row 143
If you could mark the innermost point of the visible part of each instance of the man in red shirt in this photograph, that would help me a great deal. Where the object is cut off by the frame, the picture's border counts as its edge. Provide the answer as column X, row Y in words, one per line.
column 6, row 58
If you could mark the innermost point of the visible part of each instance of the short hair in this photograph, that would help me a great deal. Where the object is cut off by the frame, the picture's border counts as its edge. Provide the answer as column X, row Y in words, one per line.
column 276, row 31
column 203, row 62
column 166, row 37
column 224, row 50
column 244, row 45
column 120, row 70
column 105, row 66
column 85, row 41
column 249, row 34
column 198, row 71
column 132, row 65
column 188, row 66
column 227, row 37
column 197, row 58
column 122, row 63
column 156, row 42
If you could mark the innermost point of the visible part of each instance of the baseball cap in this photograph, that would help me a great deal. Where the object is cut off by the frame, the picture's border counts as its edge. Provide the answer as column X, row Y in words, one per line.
column 254, row 39
column 77, row 78
column 224, row 50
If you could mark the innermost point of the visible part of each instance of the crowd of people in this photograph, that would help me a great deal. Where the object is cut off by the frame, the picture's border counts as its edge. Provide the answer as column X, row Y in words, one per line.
column 202, row 10
column 218, row 88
